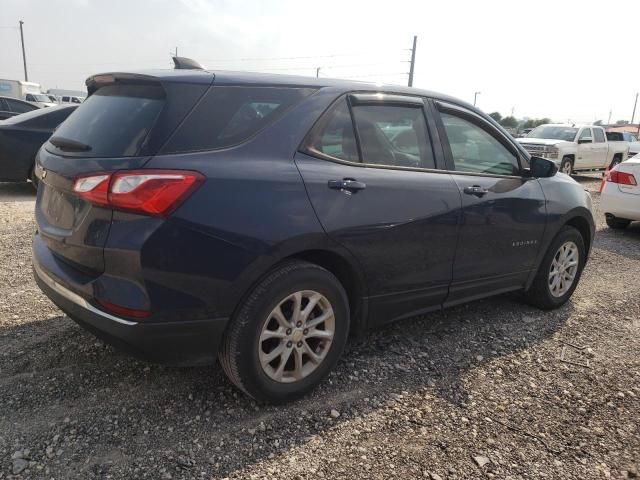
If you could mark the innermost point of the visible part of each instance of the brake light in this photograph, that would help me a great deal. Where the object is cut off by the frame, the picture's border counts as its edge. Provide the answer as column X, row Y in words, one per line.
column 622, row 178
column 149, row 192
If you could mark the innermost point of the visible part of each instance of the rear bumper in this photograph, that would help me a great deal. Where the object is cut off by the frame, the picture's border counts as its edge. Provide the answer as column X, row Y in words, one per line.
column 178, row 343
column 618, row 203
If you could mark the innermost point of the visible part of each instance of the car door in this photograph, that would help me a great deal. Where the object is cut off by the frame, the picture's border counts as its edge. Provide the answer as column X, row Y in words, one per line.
column 599, row 149
column 503, row 212
column 584, row 155
column 370, row 170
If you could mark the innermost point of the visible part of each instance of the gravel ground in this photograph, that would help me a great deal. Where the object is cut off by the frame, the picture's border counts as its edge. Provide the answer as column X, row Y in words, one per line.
column 478, row 391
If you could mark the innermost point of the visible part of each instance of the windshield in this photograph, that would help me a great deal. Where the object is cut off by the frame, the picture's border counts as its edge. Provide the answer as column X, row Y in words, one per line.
column 40, row 98
column 555, row 133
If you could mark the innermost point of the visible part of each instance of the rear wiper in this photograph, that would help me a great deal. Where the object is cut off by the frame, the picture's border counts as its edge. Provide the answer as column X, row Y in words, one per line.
column 69, row 145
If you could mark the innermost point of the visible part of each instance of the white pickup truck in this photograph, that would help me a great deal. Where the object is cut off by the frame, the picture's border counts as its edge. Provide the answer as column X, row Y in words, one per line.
column 575, row 147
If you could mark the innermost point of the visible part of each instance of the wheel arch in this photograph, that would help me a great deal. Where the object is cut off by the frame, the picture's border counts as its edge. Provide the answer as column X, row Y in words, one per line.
column 348, row 274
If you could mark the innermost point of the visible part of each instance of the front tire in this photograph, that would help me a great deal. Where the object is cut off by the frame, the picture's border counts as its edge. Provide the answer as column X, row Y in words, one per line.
column 566, row 166
column 288, row 334
column 617, row 223
column 559, row 271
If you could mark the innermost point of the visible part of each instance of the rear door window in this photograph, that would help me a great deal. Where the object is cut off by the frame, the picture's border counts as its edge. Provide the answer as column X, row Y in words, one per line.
column 393, row 135
column 115, row 120
column 228, row 116
column 333, row 136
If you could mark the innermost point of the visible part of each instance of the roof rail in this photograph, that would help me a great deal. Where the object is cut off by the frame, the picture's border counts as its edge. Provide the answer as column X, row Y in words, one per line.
column 184, row 63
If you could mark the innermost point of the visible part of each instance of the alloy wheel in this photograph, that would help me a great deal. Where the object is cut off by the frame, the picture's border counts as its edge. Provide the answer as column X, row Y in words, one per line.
column 296, row 336
column 564, row 268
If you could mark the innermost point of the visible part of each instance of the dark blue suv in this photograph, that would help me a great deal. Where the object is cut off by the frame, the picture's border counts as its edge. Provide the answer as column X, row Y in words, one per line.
column 186, row 214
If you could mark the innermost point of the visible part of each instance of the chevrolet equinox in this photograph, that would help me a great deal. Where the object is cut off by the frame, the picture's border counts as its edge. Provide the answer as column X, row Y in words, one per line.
column 185, row 215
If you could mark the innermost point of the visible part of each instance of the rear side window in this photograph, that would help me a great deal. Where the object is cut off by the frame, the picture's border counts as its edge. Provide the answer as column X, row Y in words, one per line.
column 20, row 107
column 334, row 135
column 228, row 116
column 615, row 136
column 393, row 135
column 115, row 120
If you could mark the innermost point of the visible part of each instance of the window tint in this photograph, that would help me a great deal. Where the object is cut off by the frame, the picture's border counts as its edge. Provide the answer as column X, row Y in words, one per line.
column 477, row 151
column 20, row 107
column 334, row 135
column 585, row 133
column 599, row 135
column 393, row 135
column 3, row 105
column 227, row 116
column 115, row 120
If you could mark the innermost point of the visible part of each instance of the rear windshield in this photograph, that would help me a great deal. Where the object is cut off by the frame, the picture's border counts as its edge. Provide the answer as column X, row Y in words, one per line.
column 227, row 116
column 114, row 121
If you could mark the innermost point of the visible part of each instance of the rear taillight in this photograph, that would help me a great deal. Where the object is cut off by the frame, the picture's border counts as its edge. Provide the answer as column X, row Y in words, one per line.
column 622, row 178
column 149, row 192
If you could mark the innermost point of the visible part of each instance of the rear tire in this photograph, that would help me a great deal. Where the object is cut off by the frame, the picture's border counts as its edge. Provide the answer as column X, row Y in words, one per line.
column 272, row 319
column 566, row 166
column 617, row 223
column 544, row 293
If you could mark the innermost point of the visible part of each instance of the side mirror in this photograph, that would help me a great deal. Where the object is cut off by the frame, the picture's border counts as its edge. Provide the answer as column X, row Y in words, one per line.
column 585, row 140
column 541, row 168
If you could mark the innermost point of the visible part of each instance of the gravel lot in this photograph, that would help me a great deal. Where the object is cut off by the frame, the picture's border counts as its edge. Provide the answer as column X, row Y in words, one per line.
column 478, row 391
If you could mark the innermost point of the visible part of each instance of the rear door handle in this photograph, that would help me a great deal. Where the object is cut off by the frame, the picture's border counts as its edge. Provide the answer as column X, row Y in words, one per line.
column 348, row 184
column 476, row 190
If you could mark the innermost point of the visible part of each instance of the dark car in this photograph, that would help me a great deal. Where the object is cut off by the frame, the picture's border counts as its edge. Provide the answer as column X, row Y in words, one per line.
column 184, row 215
column 21, row 137
column 10, row 107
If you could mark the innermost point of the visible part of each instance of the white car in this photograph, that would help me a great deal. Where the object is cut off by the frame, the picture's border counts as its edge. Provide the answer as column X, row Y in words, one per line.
column 620, row 197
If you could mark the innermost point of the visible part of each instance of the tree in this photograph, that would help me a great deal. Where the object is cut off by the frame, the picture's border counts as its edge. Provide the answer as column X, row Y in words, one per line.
column 509, row 122
column 496, row 116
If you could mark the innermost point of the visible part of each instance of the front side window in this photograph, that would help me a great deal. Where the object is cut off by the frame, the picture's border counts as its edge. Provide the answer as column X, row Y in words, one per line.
column 334, row 136
column 598, row 135
column 475, row 150
column 585, row 134
column 393, row 135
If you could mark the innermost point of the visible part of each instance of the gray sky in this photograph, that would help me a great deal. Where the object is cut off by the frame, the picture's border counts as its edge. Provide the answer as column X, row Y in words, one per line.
column 563, row 59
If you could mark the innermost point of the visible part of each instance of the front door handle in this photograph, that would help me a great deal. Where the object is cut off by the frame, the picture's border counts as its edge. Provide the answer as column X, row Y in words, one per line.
column 348, row 184
column 476, row 190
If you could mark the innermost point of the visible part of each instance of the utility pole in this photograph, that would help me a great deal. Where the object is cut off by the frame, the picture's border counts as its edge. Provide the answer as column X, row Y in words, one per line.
column 475, row 97
column 413, row 60
column 609, row 121
column 318, row 72
column 24, row 57
column 176, row 52
column 633, row 115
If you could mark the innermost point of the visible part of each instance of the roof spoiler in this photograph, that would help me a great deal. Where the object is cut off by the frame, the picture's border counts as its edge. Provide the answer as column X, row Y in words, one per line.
column 184, row 63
